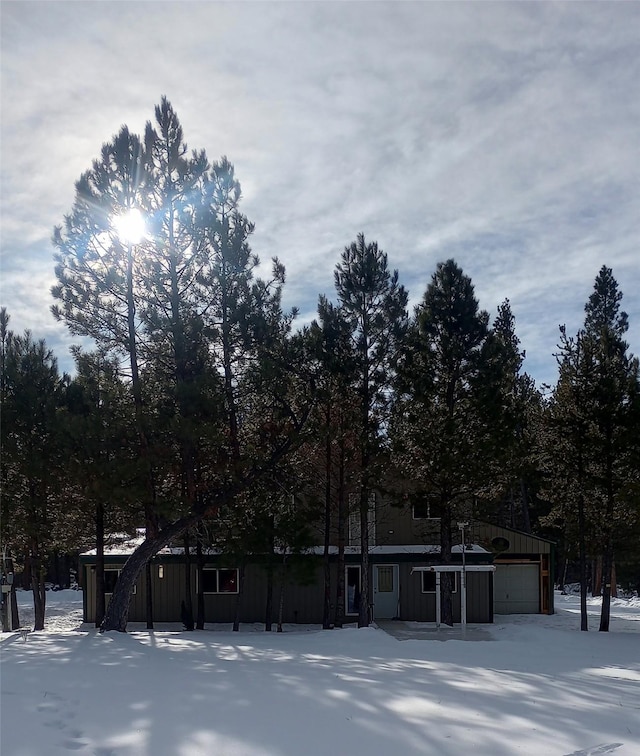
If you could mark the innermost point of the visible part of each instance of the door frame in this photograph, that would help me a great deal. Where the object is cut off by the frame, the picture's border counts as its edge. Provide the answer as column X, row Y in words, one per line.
column 396, row 588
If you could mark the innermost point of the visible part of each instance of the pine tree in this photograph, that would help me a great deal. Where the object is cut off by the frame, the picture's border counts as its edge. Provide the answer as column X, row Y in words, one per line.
column 167, row 304
column 507, row 400
column 615, row 389
column 32, row 476
column 374, row 305
column 327, row 450
column 566, row 451
column 593, row 450
column 438, row 429
column 100, row 450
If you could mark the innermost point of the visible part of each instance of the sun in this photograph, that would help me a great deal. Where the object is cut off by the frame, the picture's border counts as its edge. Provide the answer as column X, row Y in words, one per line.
column 129, row 226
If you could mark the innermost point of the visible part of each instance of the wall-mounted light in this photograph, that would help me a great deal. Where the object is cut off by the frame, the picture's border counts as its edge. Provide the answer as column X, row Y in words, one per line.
column 160, row 571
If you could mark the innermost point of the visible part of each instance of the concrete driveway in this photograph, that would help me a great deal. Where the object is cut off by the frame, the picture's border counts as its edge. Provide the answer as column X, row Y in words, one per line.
column 403, row 631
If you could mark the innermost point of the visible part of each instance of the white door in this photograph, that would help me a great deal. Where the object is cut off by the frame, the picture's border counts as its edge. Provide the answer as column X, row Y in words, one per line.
column 516, row 589
column 385, row 591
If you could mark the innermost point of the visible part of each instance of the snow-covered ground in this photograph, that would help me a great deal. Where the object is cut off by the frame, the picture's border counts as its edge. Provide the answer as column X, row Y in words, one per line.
column 534, row 685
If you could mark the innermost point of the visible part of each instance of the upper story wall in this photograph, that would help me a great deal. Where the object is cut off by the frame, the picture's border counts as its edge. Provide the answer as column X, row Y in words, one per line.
column 398, row 523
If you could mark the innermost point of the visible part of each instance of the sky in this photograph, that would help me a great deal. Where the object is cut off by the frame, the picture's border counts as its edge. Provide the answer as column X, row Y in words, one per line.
column 504, row 135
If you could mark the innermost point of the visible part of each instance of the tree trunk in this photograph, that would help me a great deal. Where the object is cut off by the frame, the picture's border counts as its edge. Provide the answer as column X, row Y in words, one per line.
column 200, row 594
column 607, row 566
column 524, row 498
column 148, row 587
column 364, row 617
column 342, row 522
column 39, row 592
column 99, row 606
column 188, row 603
column 596, row 579
column 117, row 613
column 584, row 620
column 11, row 599
column 446, row 606
column 268, row 619
column 238, row 608
column 283, row 579
column 512, row 508
column 607, row 556
column 326, row 610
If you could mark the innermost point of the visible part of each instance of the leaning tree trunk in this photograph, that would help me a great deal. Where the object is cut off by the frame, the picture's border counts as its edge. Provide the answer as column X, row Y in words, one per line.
column 117, row 613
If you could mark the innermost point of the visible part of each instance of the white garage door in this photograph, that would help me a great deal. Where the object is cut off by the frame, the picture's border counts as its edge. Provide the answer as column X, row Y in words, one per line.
column 516, row 589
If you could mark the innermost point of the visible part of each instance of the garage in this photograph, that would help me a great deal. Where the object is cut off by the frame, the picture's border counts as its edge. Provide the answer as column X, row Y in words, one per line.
column 516, row 589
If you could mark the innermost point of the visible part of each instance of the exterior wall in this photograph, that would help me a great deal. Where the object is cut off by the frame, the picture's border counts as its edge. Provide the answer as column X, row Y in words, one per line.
column 519, row 543
column 302, row 603
column 138, row 602
column 421, row 607
column 395, row 525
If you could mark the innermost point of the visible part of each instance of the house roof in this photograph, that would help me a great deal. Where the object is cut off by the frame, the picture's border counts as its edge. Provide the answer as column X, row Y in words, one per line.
column 123, row 545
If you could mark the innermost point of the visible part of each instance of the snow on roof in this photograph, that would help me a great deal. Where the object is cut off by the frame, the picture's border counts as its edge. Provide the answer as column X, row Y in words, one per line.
column 418, row 548
column 123, row 545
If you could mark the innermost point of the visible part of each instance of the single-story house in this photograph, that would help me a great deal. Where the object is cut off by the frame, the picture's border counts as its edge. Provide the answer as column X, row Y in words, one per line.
column 400, row 586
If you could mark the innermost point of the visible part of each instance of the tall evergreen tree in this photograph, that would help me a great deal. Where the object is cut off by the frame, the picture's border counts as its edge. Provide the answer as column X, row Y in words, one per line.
column 334, row 416
column 31, row 456
column 157, row 303
column 100, row 450
column 508, row 399
column 594, row 415
column 566, row 452
column 614, row 391
column 374, row 305
column 438, row 429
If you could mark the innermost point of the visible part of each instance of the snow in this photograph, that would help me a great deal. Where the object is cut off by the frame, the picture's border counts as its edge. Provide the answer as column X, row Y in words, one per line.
column 534, row 684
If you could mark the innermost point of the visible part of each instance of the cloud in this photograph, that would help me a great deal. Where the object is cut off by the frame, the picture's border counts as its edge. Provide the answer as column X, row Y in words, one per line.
column 504, row 135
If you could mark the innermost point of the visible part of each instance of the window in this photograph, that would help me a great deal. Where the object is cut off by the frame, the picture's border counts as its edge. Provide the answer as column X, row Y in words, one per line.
column 352, row 580
column 426, row 510
column 219, row 580
column 354, row 520
column 110, row 580
column 385, row 578
column 429, row 581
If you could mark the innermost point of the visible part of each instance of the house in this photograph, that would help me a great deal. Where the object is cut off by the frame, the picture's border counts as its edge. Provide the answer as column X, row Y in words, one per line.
column 402, row 539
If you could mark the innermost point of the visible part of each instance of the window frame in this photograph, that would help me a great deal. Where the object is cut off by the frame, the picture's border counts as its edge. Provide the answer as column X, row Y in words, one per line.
column 348, row 567
column 218, row 570
column 429, row 516
column 134, row 590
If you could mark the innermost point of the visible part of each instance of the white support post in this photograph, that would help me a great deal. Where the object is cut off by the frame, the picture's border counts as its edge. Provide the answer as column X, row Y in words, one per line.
column 438, row 601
